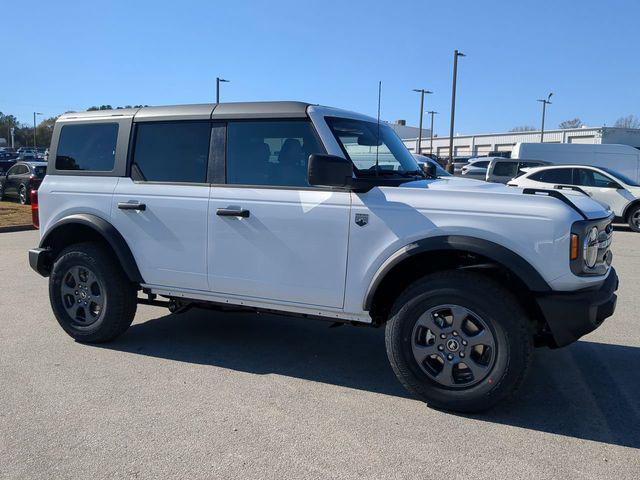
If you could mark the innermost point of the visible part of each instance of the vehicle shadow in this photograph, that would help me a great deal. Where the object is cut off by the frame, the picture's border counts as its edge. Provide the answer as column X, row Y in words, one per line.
column 621, row 227
column 587, row 390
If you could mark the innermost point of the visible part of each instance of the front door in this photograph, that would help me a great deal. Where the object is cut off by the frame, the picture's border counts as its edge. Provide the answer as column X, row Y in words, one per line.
column 272, row 236
column 161, row 208
column 603, row 188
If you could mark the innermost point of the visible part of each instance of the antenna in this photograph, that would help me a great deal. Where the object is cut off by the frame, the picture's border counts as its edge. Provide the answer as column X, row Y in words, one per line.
column 378, row 137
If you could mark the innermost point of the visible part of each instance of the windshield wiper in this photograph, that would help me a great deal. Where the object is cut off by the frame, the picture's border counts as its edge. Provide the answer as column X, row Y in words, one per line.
column 374, row 172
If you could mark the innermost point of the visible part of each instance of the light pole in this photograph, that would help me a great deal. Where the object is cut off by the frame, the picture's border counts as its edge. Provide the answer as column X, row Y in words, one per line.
column 218, row 82
column 422, row 92
column 456, row 54
column 34, row 128
column 544, row 111
column 432, row 113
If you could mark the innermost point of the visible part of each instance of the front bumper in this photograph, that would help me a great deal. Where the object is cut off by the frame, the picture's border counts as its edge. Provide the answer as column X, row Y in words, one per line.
column 570, row 315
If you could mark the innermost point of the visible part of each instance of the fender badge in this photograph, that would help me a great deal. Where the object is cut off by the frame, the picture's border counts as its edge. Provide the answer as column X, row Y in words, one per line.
column 362, row 219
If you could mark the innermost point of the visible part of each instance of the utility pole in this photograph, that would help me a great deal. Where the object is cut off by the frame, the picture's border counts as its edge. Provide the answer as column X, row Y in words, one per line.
column 422, row 92
column 34, row 128
column 544, row 111
column 432, row 113
column 456, row 54
column 218, row 82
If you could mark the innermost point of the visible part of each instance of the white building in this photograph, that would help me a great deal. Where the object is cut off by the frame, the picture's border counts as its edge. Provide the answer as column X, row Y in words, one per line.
column 406, row 131
column 482, row 144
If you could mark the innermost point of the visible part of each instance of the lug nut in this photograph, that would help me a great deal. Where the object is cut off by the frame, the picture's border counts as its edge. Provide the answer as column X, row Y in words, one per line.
column 461, row 354
column 464, row 342
column 450, row 357
column 442, row 335
column 455, row 334
column 440, row 347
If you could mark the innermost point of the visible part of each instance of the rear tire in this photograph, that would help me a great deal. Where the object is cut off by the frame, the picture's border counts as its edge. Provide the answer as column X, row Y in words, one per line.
column 488, row 330
column 633, row 218
column 23, row 195
column 92, row 298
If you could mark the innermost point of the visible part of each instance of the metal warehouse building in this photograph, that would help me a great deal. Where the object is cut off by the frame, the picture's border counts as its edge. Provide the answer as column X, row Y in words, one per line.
column 482, row 144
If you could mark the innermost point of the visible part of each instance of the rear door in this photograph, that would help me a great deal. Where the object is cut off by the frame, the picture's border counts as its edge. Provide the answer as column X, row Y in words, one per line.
column 272, row 237
column 160, row 208
column 501, row 171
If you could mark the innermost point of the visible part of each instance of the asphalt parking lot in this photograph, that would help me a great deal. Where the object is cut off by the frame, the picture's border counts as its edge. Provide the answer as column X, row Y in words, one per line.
column 211, row 395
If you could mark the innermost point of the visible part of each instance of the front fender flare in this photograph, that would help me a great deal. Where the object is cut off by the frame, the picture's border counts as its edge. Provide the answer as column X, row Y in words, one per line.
column 510, row 260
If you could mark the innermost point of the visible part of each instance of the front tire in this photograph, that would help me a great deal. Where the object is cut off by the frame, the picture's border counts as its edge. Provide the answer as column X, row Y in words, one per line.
column 92, row 298
column 459, row 341
column 633, row 218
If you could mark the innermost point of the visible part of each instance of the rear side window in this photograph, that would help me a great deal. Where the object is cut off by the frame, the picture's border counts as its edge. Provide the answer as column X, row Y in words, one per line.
column 90, row 147
column 556, row 175
column 171, row 152
column 270, row 152
column 505, row 169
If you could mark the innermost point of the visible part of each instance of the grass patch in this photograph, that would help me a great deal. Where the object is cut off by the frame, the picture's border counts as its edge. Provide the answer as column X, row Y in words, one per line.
column 12, row 213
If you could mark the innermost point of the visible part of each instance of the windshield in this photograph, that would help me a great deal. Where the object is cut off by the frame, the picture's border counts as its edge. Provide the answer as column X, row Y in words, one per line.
column 40, row 172
column 364, row 142
column 619, row 176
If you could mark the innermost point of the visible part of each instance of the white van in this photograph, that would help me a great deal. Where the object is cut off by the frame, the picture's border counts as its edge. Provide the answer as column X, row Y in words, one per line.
column 624, row 159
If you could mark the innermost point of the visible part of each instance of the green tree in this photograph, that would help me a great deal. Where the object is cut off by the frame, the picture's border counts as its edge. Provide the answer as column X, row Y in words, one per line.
column 6, row 123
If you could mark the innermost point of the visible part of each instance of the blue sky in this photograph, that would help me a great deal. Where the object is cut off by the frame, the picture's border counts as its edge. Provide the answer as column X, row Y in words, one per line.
column 71, row 55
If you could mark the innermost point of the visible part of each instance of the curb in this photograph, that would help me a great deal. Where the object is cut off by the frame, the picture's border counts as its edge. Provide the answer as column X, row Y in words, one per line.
column 17, row 228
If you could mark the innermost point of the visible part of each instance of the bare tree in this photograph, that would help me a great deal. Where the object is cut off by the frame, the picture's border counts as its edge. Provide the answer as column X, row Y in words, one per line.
column 573, row 123
column 523, row 128
column 630, row 121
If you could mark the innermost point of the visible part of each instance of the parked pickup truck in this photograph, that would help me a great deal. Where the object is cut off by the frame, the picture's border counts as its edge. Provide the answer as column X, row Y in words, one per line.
column 322, row 213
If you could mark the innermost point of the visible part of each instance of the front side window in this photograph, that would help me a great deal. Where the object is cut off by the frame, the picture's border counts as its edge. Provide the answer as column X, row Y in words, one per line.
column 621, row 177
column 171, row 152
column 90, row 147
column 270, row 152
column 591, row 178
column 556, row 175
column 373, row 148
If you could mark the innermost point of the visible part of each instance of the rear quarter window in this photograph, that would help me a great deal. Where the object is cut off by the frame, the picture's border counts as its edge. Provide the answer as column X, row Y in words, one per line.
column 87, row 147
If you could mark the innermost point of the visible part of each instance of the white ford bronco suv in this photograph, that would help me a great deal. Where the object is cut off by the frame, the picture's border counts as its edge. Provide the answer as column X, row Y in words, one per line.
column 322, row 213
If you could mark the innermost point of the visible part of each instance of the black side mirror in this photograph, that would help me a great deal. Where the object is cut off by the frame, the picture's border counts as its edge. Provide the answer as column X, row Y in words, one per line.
column 429, row 170
column 329, row 171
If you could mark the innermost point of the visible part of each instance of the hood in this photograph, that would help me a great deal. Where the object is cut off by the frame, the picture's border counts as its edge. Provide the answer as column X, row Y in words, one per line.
column 590, row 207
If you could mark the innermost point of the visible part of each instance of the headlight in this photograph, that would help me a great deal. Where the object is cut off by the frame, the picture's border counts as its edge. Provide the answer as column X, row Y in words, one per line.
column 590, row 248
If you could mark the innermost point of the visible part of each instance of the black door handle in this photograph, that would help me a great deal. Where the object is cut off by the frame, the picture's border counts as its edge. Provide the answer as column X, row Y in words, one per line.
column 132, row 206
column 232, row 212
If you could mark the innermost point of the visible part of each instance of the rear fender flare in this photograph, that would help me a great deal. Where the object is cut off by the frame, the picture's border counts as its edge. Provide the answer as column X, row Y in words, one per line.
column 105, row 230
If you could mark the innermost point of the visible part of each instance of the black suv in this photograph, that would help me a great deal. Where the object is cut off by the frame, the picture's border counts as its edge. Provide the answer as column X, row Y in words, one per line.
column 20, row 179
